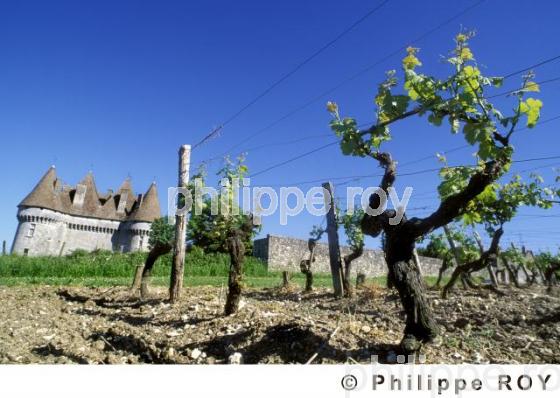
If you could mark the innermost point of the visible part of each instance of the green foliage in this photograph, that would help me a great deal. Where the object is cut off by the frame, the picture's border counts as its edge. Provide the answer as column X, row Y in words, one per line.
column 514, row 256
column 352, row 228
column 209, row 229
column 162, row 232
column 460, row 98
column 437, row 246
column 498, row 203
column 120, row 265
column 544, row 259
column 531, row 108
column 78, row 253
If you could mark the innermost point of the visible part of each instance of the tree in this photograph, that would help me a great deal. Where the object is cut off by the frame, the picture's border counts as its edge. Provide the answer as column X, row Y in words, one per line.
column 354, row 239
column 209, row 229
column 238, row 227
column 460, row 98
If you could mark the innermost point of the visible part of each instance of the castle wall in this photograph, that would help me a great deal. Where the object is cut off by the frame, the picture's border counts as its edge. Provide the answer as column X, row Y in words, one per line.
column 284, row 254
column 47, row 232
column 139, row 232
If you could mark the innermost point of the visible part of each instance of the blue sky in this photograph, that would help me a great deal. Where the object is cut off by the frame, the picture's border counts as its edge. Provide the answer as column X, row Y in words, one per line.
column 117, row 86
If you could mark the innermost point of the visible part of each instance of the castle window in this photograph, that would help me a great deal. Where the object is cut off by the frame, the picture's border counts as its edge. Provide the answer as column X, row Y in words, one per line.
column 25, row 252
column 31, row 230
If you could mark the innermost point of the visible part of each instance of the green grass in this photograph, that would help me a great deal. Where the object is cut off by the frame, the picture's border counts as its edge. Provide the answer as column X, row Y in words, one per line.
column 116, row 269
column 116, row 265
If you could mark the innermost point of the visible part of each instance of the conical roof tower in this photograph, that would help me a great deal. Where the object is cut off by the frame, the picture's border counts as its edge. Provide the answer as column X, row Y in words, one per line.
column 44, row 195
column 148, row 209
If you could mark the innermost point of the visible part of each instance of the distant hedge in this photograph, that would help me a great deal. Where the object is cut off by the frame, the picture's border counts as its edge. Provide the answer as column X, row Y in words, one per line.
column 81, row 264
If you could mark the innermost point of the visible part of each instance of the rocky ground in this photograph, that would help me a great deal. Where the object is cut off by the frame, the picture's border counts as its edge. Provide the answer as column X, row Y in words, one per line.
column 112, row 326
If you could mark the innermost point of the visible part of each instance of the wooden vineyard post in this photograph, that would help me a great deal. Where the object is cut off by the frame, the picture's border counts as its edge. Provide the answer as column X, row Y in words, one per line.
column 137, row 278
column 178, row 263
column 332, row 234
column 285, row 279
column 416, row 259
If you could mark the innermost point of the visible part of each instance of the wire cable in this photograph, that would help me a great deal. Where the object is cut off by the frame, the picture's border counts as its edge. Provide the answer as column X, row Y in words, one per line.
column 354, row 76
column 294, row 70
column 290, row 160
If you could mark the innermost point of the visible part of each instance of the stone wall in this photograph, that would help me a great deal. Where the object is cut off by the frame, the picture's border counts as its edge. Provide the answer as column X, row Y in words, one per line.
column 284, row 254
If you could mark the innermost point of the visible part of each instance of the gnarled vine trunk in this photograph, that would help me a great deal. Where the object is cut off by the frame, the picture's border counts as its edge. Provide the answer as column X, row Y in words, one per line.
column 285, row 279
column 347, row 286
column 236, row 250
column 445, row 265
column 406, row 278
column 550, row 276
column 400, row 238
column 305, row 265
column 512, row 273
column 491, row 265
column 486, row 259
column 305, row 268
column 156, row 252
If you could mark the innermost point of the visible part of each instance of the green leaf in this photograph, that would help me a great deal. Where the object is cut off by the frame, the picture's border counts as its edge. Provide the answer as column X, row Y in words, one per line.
column 347, row 147
column 531, row 108
column 393, row 106
column 466, row 54
column 471, row 131
column 412, row 93
column 531, row 86
column 435, row 119
column 410, row 61
column 497, row 81
column 486, row 148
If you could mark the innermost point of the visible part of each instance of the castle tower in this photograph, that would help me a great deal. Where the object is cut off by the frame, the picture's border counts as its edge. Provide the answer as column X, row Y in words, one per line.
column 39, row 226
column 144, row 213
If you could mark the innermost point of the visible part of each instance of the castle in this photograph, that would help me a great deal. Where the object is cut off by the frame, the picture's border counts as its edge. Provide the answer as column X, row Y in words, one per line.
column 56, row 219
